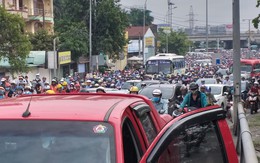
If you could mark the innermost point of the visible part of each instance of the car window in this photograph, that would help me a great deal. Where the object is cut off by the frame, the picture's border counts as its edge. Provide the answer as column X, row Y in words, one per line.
column 195, row 143
column 56, row 141
column 167, row 92
column 131, row 144
column 148, row 126
column 216, row 90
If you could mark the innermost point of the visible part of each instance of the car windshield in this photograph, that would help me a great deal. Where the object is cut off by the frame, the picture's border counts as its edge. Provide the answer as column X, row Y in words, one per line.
column 207, row 81
column 56, row 142
column 215, row 90
column 156, row 66
column 167, row 92
column 128, row 85
column 246, row 68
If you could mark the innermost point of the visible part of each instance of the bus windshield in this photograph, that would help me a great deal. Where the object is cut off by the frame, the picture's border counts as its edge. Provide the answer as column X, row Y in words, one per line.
column 157, row 66
column 246, row 68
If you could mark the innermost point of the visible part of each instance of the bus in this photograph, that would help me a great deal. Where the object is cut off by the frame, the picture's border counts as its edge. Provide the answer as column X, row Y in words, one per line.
column 249, row 68
column 166, row 63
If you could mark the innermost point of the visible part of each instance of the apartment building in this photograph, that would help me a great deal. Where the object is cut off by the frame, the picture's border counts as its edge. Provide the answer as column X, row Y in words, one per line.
column 36, row 13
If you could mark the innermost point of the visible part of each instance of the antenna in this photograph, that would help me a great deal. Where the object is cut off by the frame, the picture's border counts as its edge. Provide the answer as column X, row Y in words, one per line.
column 27, row 112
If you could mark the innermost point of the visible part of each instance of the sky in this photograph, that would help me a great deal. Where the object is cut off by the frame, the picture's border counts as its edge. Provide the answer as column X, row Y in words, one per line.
column 219, row 11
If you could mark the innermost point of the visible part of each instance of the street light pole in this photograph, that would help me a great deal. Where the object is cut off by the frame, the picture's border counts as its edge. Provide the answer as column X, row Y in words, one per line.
column 90, row 36
column 144, row 32
column 207, row 29
column 249, row 34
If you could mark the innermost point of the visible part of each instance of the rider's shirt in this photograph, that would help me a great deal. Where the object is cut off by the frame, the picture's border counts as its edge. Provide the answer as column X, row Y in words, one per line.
column 195, row 103
column 162, row 105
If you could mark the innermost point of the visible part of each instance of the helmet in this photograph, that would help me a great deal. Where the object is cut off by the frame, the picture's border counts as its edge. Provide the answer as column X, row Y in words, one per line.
column 27, row 87
column 194, row 86
column 64, row 83
column 101, row 89
column 256, row 82
column 157, row 92
column 50, row 92
column 183, row 88
column 53, row 80
column 134, row 89
column 59, row 86
column 47, row 87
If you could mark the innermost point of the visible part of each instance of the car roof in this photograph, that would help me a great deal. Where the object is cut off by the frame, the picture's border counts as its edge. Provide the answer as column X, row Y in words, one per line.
column 161, row 85
column 217, row 85
column 89, row 106
column 133, row 81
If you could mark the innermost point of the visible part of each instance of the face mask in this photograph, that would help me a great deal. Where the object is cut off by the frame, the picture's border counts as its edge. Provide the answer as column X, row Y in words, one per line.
column 156, row 99
column 7, row 89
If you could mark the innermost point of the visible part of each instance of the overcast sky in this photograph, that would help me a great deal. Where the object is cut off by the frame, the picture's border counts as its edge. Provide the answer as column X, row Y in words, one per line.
column 220, row 11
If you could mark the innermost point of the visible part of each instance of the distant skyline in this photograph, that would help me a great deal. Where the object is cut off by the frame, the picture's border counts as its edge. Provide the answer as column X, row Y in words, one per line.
column 219, row 12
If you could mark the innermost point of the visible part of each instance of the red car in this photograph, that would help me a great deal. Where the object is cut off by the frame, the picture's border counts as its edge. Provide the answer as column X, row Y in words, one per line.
column 109, row 128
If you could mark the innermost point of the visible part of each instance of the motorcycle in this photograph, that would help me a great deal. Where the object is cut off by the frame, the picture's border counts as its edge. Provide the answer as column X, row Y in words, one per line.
column 252, row 98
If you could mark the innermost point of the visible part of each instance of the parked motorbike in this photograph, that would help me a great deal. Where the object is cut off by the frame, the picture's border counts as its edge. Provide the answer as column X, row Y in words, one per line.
column 252, row 98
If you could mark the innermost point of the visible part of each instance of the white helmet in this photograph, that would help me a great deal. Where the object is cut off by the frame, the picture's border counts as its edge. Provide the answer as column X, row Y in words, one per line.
column 157, row 92
column 256, row 82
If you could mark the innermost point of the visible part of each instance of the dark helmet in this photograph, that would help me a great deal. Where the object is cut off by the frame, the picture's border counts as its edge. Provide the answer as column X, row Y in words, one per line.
column 194, row 86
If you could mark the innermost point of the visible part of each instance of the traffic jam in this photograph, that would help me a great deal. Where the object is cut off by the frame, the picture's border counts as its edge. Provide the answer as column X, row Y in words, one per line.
column 172, row 109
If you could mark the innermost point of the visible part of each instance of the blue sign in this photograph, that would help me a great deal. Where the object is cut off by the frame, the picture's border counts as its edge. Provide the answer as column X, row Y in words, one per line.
column 217, row 61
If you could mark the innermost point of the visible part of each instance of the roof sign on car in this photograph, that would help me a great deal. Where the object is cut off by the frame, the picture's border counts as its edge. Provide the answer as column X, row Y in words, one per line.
column 100, row 129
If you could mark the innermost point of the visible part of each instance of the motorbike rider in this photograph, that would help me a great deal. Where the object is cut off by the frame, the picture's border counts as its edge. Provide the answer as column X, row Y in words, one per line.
column 160, row 104
column 100, row 90
column 210, row 97
column 194, row 98
column 253, row 90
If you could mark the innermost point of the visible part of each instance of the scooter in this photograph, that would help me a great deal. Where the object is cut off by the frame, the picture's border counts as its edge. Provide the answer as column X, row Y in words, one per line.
column 252, row 98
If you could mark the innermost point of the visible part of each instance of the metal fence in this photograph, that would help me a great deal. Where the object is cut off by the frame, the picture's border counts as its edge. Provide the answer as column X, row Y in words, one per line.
column 245, row 146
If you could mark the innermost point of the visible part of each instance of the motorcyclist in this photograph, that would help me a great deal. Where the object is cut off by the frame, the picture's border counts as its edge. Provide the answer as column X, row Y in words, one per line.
column 194, row 98
column 253, row 90
column 210, row 97
column 134, row 90
column 160, row 104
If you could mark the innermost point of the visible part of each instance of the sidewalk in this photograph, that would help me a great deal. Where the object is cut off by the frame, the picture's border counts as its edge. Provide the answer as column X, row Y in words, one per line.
column 254, row 126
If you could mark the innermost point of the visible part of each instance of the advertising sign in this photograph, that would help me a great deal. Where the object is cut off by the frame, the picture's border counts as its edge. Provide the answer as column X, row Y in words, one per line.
column 148, row 41
column 64, row 57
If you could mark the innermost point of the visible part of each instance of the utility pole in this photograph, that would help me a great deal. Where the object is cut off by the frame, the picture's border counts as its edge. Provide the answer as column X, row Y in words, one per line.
column 43, row 14
column 236, row 61
column 90, row 36
column 249, row 35
column 144, row 32
column 207, row 29
column 191, row 20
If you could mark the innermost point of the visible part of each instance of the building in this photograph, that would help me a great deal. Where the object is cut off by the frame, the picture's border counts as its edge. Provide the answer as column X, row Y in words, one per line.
column 136, row 36
column 32, row 12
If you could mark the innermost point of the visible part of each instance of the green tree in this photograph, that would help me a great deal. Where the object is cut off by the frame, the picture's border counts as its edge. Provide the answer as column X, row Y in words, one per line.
column 14, row 43
column 108, row 26
column 257, row 19
column 177, row 42
column 41, row 40
column 136, row 17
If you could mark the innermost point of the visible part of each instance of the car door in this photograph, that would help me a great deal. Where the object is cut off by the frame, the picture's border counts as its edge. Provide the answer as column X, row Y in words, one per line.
column 200, row 137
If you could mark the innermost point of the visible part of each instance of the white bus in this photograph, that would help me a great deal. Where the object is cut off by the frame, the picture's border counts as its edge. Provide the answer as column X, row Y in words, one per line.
column 167, row 63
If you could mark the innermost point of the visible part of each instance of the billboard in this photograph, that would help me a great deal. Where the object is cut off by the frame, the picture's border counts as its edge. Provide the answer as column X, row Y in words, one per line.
column 64, row 57
column 149, row 41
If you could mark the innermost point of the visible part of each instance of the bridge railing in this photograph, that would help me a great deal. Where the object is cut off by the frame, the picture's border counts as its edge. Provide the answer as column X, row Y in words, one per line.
column 245, row 146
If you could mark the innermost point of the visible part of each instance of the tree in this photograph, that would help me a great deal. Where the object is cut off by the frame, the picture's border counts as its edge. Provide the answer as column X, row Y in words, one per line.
column 257, row 19
column 177, row 42
column 14, row 43
column 109, row 22
column 136, row 17
column 41, row 40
